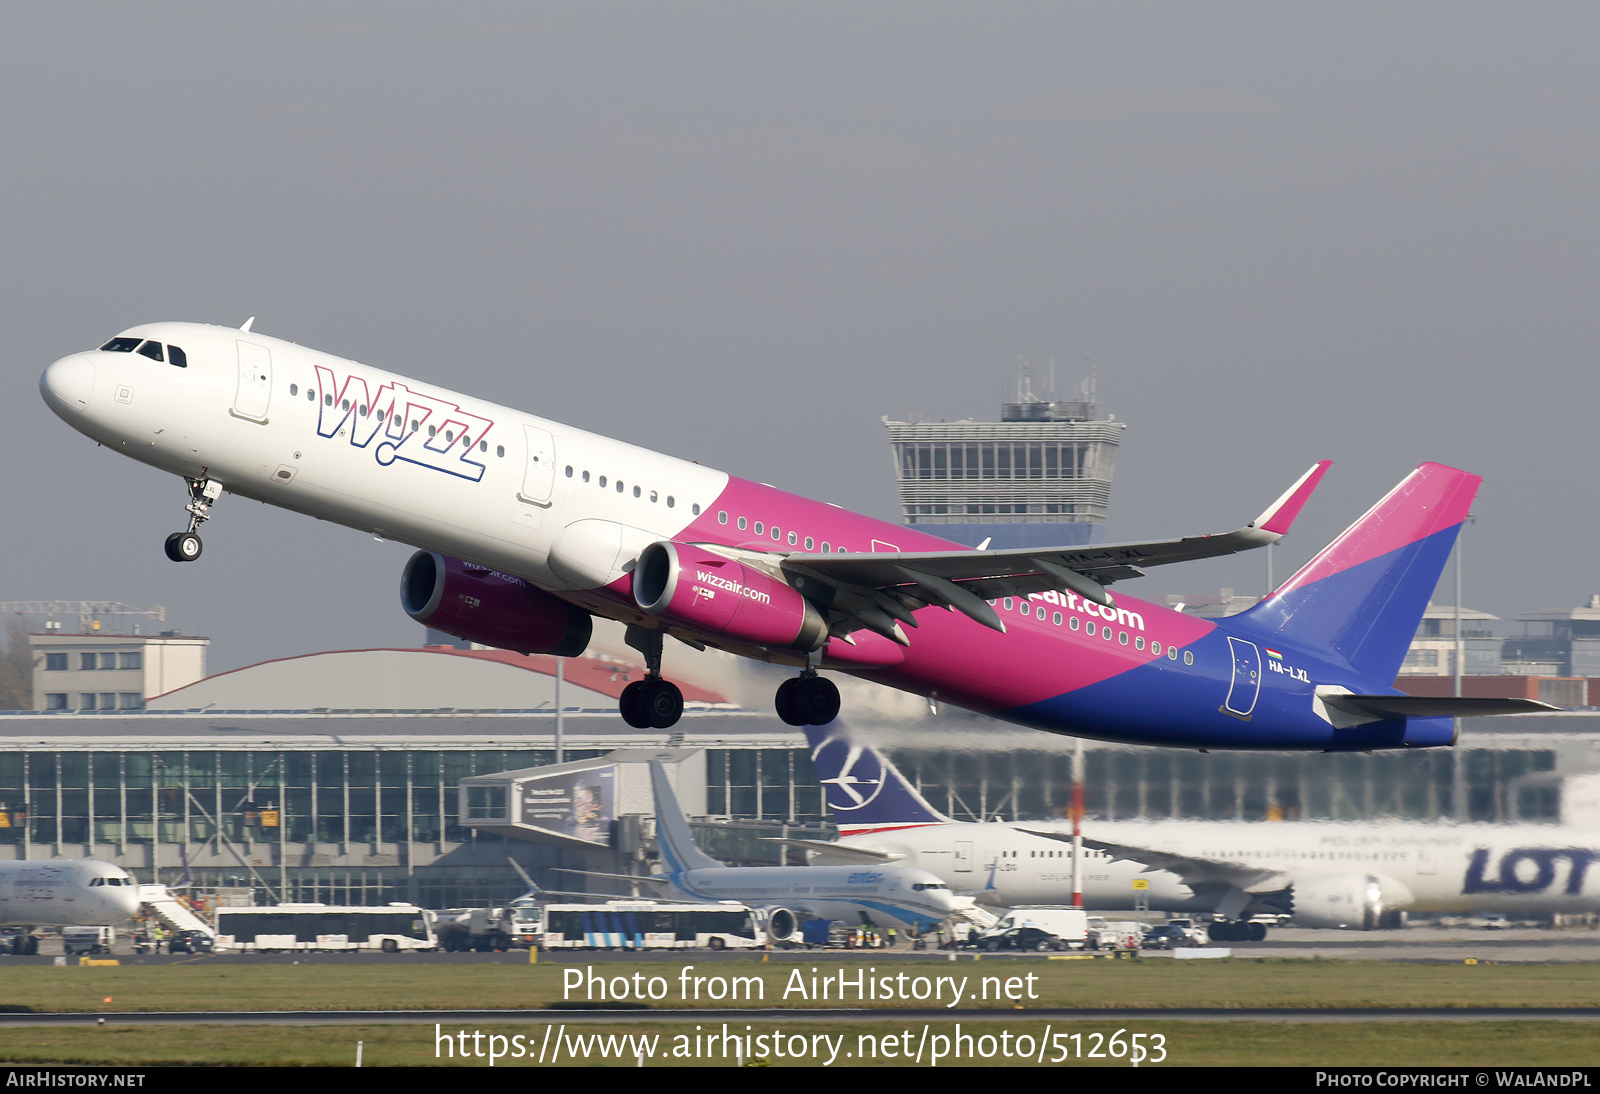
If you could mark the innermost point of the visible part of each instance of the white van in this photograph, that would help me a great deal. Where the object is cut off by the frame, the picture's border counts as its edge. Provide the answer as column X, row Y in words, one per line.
column 1037, row 927
column 91, row 940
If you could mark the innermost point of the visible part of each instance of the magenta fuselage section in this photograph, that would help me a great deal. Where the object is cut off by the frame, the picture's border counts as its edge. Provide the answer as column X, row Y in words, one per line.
column 1134, row 672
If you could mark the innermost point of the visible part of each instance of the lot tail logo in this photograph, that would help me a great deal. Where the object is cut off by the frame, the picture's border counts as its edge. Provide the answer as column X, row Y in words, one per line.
column 859, row 777
column 1529, row 870
column 407, row 425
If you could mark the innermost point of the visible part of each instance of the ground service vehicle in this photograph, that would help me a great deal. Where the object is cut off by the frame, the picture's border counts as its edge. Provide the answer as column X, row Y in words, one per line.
column 1107, row 934
column 90, row 940
column 389, row 928
column 649, row 925
column 481, row 930
column 1046, row 927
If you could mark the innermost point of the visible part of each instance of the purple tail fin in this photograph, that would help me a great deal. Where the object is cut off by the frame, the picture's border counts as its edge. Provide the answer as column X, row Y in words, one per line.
column 863, row 789
column 1363, row 595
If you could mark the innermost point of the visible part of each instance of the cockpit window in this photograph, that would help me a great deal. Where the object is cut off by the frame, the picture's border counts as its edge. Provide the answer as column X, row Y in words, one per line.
column 152, row 350
column 120, row 345
column 177, row 357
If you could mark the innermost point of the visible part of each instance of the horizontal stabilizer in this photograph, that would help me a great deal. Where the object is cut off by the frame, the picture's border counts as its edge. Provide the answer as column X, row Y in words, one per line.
column 1428, row 706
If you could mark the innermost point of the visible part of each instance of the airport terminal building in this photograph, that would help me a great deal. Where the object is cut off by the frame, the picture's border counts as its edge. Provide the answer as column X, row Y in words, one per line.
column 365, row 805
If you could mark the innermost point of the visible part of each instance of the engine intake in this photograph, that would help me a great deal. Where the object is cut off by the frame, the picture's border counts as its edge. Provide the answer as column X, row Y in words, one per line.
column 711, row 594
column 492, row 608
column 782, row 924
column 1365, row 901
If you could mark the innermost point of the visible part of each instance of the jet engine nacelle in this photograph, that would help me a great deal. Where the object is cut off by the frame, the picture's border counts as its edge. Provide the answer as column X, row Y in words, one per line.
column 487, row 606
column 1365, row 901
column 782, row 924
column 711, row 594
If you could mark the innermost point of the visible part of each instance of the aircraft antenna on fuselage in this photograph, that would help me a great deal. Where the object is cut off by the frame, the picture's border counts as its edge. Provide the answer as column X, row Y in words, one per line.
column 245, row 326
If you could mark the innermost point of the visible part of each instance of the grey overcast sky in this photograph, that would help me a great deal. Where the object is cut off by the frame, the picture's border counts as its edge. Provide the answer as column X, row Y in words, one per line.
column 742, row 233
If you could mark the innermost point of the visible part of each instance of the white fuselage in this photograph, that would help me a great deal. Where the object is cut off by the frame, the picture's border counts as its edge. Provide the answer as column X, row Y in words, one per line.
column 65, row 893
column 1516, row 869
column 1004, row 866
column 882, row 896
column 331, row 449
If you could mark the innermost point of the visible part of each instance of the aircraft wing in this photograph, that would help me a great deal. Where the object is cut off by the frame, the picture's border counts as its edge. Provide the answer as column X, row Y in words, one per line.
column 1197, row 871
column 865, row 855
column 882, row 590
column 654, row 879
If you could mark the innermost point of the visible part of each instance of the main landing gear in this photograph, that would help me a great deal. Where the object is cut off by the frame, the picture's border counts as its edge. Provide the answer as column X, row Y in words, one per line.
column 651, row 703
column 1239, row 931
column 186, row 546
column 807, row 700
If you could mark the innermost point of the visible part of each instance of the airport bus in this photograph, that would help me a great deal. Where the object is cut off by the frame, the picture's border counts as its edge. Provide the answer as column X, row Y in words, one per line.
column 648, row 925
column 390, row 928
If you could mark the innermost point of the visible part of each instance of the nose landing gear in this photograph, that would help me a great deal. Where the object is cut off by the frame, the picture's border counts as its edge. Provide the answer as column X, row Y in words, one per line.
column 186, row 546
column 651, row 703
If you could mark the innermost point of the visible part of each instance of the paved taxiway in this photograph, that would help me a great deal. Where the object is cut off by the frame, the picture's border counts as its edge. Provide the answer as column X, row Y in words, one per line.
column 1427, row 944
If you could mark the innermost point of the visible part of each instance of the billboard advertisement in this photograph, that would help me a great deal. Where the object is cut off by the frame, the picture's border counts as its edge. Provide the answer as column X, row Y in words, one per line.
column 579, row 805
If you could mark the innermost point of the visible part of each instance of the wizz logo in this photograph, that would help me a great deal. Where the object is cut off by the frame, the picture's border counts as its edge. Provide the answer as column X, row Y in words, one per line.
column 407, row 425
column 1528, row 870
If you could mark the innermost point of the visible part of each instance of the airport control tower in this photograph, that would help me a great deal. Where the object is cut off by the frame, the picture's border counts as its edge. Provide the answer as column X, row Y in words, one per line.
column 1039, row 477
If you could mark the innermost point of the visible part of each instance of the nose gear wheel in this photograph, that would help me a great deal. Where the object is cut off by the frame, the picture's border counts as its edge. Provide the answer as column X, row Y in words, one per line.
column 186, row 546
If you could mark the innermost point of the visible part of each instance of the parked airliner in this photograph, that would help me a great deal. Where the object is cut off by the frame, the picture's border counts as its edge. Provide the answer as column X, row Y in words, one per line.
column 1326, row 874
column 904, row 897
column 528, row 528
column 63, row 893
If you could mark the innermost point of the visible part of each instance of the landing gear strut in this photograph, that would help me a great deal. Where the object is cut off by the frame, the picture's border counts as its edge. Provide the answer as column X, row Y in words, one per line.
column 807, row 699
column 186, row 546
column 651, row 703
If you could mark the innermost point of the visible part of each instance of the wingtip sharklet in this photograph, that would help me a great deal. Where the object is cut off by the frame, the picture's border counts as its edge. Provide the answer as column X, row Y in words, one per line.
column 1281, row 514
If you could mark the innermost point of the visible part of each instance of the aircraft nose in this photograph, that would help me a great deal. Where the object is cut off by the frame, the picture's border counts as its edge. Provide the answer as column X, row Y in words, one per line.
column 67, row 384
column 128, row 900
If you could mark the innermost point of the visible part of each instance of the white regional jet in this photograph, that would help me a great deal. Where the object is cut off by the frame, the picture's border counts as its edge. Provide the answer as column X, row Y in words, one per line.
column 1326, row 874
column 904, row 897
column 63, row 893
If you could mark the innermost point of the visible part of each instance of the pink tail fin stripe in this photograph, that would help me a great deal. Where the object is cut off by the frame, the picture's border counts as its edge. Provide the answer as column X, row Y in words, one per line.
column 1430, row 499
column 1281, row 513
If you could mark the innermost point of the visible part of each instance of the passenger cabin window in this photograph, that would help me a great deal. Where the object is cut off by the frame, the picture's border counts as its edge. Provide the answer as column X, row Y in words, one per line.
column 120, row 345
column 152, row 350
column 177, row 357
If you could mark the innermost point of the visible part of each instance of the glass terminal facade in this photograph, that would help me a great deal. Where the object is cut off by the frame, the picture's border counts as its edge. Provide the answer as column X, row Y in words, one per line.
column 342, row 821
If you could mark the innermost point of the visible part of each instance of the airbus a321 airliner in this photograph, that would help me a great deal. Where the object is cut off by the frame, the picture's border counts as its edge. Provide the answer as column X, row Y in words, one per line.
column 528, row 528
